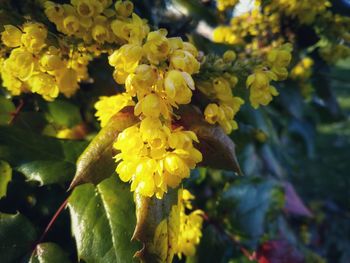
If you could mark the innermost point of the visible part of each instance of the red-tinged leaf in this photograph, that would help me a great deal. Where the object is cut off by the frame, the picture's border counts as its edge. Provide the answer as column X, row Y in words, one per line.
column 149, row 213
column 278, row 251
column 294, row 204
column 96, row 163
column 217, row 148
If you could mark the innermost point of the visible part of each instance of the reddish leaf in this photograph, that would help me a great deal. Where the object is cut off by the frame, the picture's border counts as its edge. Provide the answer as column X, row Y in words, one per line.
column 96, row 162
column 217, row 148
column 294, row 204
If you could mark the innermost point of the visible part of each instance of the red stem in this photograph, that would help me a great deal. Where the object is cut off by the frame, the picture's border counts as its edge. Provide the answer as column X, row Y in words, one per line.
column 16, row 112
column 53, row 219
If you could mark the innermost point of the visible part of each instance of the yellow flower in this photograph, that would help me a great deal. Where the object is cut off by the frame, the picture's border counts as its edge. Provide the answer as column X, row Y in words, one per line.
column 68, row 81
column 71, row 24
column 178, row 86
column 129, row 142
column 157, row 46
column 125, row 60
column 260, row 90
column 182, row 139
column 45, row 85
column 152, row 105
column 176, row 166
column 51, row 62
column 278, row 59
column 34, row 36
column 213, row 113
column 124, row 8
column 108, row 106
column 222, row 88
column 144, row 182
column 87, row 8
column 140, row 83
column 190, row 48
column 54, row 12
column 21, row 63
column 184, row 61
column 133, row 30
column 11, row 83
column 11, row 36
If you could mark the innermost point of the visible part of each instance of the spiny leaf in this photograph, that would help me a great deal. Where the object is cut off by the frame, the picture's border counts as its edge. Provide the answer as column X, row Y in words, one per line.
column 16, row 237
column 49, row 253
column 5, row 177
column 96, row 162
column 40, row 158
column 217, row 148
column 150, row 212
column 103, row 219
column 247, row 203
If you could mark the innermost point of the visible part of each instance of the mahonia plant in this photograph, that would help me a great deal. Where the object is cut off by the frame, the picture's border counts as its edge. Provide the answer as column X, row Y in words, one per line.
column 160, row 74
column 262, row 29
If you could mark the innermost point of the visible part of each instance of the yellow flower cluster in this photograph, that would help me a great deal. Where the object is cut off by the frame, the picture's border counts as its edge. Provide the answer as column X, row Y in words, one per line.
column 223, row 5
column 35, row 66
column 108, row 106
column 333, row 53
column 155, row 157
column 190, row 225
column 97, row 21
column 302, row 72
column 219, row 89
column 261, row 92
column 338, row 26
column 156, row 71
column 251, row 30
column 182, row 229
column 303, row 69
column 305, row 10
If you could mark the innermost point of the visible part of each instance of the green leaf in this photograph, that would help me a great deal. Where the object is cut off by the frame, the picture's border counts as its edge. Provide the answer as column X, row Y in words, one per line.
column 31, row 121
column 103, row 219
column 40, row 158
column 6, row 108
column 150, row 212
column 49, row 253
column 247, row 204
column 16, row 237
column 96, row 162
column 64, row 113
column 5, row 177
column 212, row 247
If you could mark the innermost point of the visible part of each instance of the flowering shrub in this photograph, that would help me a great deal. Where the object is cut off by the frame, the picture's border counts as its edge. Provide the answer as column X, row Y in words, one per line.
column 112, row 102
